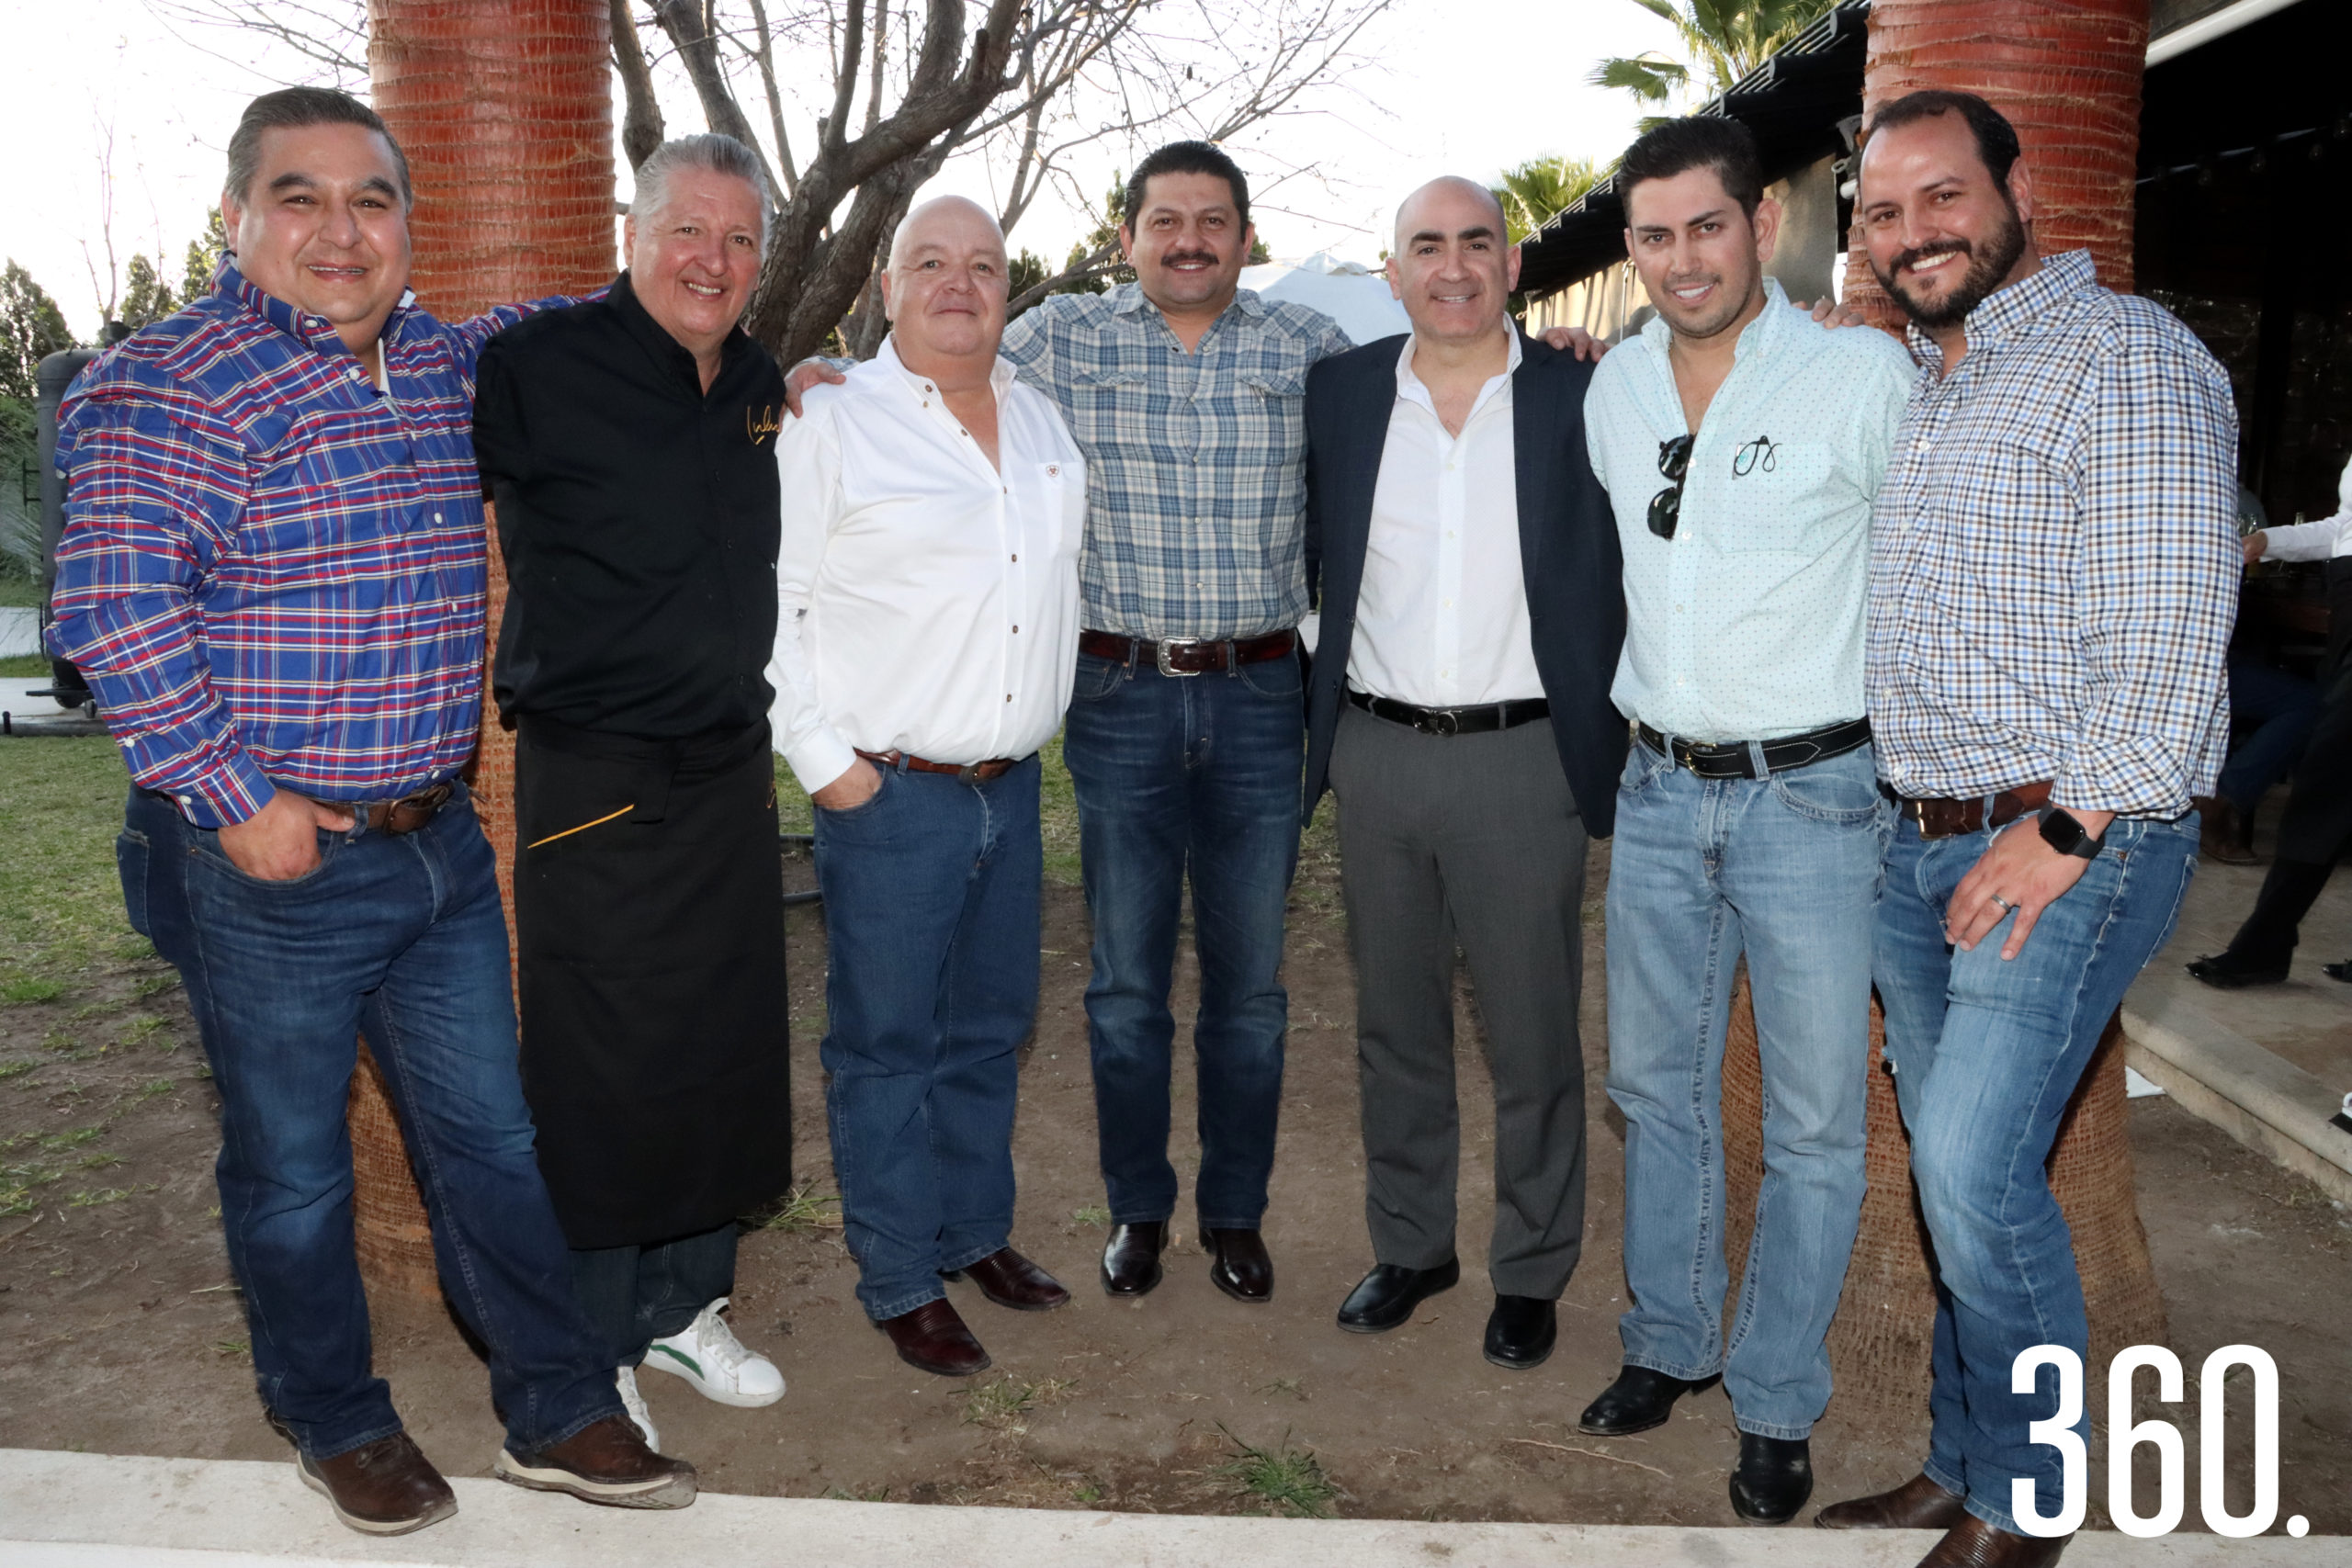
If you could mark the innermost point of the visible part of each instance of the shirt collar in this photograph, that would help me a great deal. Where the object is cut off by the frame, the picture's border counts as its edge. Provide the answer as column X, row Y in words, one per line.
column 1000, row 374
column 657, row 341
column 1409, row 385
column 1756, row 337
column 1127, row 300
column 314, row 332
column 2012, row 312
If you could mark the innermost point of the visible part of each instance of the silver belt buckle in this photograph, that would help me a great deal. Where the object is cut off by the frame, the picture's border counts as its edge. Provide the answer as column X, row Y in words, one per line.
column 1160, row 650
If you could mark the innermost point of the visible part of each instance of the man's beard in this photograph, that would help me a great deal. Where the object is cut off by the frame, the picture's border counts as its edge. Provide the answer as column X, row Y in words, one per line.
column 1987, row 270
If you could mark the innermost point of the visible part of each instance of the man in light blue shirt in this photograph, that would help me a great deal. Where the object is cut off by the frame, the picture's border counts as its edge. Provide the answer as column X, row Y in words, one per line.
column 1741, row 445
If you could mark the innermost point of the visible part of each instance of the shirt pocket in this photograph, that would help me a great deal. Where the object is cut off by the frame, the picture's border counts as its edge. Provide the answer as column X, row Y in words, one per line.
column 1112, row 408
column 1061, row 488
column 1772, row 495
column 1277, row 395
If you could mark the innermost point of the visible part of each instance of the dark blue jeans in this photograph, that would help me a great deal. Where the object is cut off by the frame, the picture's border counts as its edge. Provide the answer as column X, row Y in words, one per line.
column 635, row 1295
column 930, row 921
column 2283, row 707
column 1986, row 1052
column 403, row 938
column 1187, row 775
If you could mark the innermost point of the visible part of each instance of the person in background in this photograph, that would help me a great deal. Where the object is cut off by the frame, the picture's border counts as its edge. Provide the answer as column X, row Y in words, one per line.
column 2280, row 706
column 626, row 441
column 928, row 593
column 2316, row 830
column 272, row 574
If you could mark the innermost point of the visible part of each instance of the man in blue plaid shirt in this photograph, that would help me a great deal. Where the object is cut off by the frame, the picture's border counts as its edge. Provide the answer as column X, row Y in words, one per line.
column 2054, row 580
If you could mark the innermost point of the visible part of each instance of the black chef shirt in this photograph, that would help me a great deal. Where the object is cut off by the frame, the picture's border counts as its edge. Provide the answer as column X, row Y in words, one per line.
column 639, row 518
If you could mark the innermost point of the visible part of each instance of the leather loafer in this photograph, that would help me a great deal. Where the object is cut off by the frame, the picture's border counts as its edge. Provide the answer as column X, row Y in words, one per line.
column 934, row 1338
column 1012, row 1281
column 386, row 1487
column 1131, row 1258
column 2225, row 971
column 1387, row 1296
column 2338, row 971
column 1918, row 1505
column 1639, row 1400
column 605, row 1461
column 1972, row 1543
column 1772, row 1480
column 1241, row 1267
column 1520, row 1331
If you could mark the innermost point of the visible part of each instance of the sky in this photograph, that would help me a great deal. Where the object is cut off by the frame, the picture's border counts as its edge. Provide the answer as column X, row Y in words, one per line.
column 110, row 108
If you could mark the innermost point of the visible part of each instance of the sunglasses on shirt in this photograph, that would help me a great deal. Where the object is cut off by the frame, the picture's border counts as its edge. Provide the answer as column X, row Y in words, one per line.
column 1665, row 506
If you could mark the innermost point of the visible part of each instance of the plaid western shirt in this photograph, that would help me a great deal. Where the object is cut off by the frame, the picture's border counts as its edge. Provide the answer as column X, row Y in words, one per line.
column 271, row 573
column 1195, row 463
column 2055, row 562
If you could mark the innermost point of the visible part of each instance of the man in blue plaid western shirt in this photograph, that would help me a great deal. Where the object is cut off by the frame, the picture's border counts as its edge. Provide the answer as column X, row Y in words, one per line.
column 2054, row 580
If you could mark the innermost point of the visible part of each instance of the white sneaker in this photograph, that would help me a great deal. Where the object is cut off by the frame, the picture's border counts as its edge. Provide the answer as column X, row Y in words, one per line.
column 708, row 1356
column 634, row 1402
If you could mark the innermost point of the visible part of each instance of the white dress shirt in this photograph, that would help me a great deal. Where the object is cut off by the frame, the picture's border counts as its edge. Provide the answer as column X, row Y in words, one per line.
column 2324, row 540
column 1441, row 618
column 927, row 602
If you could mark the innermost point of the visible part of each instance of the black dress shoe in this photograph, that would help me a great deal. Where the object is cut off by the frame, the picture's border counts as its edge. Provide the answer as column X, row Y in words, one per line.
column 1131, row 1258
column 1387, row 1296
column 2338, row 971
column 1520, row 1331
column 1241, row 1268
column 1774, row 1479
column 2225, row 971
column 1639, row 1400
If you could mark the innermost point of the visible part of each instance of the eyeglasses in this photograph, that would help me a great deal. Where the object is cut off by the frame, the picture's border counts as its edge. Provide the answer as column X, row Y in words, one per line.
column 1665, row 506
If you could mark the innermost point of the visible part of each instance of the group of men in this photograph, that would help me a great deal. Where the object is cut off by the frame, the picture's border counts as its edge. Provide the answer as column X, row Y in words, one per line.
column 1883, row 668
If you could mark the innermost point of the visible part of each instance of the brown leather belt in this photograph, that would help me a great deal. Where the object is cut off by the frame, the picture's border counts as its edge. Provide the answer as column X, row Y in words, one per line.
column 1950, row 818
column 405, row 814
column 965, row 773
column 1187, row 655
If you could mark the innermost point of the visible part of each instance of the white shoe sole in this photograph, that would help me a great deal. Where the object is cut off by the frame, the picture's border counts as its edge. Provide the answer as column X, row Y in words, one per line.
column 372, row 1527
column 668, row 1492
column 656, row 1361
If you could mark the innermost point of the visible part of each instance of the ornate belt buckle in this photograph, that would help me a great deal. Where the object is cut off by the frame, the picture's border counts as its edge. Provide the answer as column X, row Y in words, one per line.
column 1446, row 722
column 1166, row 645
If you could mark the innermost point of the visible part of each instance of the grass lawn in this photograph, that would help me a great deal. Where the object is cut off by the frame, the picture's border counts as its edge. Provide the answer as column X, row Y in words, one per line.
column 61, row 922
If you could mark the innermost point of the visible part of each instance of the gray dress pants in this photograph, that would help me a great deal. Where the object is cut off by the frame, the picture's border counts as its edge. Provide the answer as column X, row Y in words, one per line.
column 1474, row 841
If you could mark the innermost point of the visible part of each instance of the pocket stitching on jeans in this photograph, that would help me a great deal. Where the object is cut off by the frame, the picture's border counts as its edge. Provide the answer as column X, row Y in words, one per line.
column 223, row 862
column 840, row 813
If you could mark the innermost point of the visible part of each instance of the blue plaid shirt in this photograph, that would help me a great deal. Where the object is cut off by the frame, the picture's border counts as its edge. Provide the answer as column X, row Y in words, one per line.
column 1195, row 463
column 2054, row 560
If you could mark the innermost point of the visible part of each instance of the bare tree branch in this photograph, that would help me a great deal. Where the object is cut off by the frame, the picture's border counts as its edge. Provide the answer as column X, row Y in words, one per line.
column 641, row 128
column 1094, row 264
column 688, row 26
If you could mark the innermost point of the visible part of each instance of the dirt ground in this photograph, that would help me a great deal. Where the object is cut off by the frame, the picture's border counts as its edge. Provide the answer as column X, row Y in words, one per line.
column 121, row 1332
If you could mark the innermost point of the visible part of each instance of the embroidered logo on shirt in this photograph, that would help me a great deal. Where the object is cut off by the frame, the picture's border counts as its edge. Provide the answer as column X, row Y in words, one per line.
column 759, row 424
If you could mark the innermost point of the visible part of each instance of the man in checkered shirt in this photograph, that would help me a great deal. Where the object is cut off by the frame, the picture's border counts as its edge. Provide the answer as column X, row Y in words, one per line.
column 2054, row 580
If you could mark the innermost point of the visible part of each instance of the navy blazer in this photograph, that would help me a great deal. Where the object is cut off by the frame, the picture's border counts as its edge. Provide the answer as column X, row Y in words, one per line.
column 1567, row 548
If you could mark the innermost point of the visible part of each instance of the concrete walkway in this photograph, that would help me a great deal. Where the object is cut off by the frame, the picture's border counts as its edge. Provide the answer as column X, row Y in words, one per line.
column 2269, row 1065
column 65, row 1510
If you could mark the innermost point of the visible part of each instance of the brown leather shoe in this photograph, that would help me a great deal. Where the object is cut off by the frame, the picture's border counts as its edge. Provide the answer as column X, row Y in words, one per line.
column 1972, row 1543
column 1241, row 1269
column 2224, row 834
column 934, row 1338
column 1131, row 1258
column 386, row 1487
column 605, row 1461
column 1012, row 1281
column 1918, row 1505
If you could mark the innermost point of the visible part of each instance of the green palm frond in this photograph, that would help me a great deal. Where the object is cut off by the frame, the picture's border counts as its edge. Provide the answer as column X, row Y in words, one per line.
column 1539, row 189
column 1653, row 78
column 1723, row 42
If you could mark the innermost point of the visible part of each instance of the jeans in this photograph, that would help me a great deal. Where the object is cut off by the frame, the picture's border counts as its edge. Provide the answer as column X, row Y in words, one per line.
column 1786, row 869
column 1184, row 775
column 2284, row 707
column 403, row 938
column 638, row 1295
column 1986, row 1055
column 931, row 893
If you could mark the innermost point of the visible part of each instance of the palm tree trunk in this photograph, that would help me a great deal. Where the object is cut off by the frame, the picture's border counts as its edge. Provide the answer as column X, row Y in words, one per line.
column 505, row 113
column 2066, row 73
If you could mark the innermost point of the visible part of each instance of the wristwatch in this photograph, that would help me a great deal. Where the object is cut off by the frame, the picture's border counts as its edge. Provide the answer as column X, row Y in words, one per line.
column 2062, row 833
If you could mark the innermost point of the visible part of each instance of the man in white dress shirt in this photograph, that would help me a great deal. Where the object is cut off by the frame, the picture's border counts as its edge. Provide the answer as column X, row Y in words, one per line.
column 928, row 629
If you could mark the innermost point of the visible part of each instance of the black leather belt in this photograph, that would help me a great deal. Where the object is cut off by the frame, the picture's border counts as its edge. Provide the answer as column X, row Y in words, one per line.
column 1734, row 760
column 1479, row 720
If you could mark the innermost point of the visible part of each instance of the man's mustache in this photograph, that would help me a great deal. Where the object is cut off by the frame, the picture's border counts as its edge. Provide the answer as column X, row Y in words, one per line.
column 1178, row 258
column 1919, row 254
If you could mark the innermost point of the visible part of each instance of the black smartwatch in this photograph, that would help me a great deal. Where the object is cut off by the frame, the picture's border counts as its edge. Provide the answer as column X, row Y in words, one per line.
column 2062, row 833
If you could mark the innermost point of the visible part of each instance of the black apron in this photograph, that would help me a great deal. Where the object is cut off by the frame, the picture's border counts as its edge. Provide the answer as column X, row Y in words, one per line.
column 648, row 913
column 2317, row 828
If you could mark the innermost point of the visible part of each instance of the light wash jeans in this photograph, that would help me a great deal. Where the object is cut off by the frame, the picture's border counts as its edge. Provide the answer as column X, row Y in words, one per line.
column 1786, row 869
column 1986, row 1052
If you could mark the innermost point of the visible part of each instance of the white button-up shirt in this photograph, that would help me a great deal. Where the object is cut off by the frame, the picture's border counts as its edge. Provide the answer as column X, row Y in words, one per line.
column 2324, row 540
column 1441, row 618
column 927, row 602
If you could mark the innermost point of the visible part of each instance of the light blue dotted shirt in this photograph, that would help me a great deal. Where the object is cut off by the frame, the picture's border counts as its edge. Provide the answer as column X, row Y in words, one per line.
column 1747, row 623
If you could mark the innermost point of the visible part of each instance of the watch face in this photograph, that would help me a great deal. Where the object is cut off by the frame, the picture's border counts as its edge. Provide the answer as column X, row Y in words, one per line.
column 2062, row 833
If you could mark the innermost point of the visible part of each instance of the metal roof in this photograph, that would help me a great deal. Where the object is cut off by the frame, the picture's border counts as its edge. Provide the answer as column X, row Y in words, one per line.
column 1804, row 104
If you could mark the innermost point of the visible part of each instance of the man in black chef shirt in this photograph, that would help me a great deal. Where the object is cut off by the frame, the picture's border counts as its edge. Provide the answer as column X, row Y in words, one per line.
column 629, row 446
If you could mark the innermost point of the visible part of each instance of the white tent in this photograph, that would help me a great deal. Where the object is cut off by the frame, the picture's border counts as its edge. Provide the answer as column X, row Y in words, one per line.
column 1354, row 296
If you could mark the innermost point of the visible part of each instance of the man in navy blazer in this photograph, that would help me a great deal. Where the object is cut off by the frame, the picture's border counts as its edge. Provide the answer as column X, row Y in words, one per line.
column 1458, row 704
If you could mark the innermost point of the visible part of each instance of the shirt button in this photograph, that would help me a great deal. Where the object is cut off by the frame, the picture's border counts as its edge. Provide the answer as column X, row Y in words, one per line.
column 436, row 517
column 1016, row 557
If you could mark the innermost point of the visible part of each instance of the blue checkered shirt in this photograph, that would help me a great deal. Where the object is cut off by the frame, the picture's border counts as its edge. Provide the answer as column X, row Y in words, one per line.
column 1195, row 463
column 2055, row 562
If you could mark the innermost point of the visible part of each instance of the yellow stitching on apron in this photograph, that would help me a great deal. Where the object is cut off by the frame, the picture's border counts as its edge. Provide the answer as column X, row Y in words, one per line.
column 551, row 837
